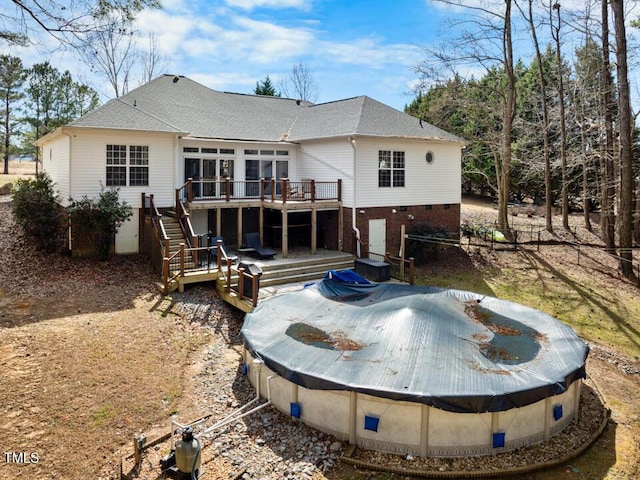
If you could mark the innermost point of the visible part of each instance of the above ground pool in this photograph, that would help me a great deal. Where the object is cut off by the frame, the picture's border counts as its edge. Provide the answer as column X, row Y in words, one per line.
column 421, row 370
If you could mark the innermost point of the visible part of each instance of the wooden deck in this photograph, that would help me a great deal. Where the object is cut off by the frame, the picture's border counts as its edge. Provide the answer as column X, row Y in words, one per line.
column 300, row 267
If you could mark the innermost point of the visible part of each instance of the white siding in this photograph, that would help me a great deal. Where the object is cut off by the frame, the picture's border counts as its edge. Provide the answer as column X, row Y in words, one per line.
column 329, row 160
column 89, row 164
column 435, row 183
column 55, row 161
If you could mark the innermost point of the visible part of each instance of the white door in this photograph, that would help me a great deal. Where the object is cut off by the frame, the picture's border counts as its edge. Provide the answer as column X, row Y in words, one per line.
column 127, row 236
column 377, row 238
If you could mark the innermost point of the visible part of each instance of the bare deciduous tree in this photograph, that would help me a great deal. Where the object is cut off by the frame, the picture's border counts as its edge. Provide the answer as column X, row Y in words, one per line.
column 545, row 118
column 152, row 61
column 300, row 84
column 111, row 55
column 555, row 34
column 485, row 38
column 69, row 22
column 625, row 217
column 608, row 221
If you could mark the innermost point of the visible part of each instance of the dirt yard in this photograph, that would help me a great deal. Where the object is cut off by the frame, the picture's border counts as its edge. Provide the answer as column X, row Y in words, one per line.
column 91, row 354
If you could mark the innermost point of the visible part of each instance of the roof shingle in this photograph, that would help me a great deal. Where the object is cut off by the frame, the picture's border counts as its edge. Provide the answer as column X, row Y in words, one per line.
column 176, row 104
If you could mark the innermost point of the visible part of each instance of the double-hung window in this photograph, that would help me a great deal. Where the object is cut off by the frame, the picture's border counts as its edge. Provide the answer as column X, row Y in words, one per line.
column 391, row 168
column 127, row 165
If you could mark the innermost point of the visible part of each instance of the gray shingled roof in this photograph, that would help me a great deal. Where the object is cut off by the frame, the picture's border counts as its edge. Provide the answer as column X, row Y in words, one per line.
column 179, row 105
column 363, row 116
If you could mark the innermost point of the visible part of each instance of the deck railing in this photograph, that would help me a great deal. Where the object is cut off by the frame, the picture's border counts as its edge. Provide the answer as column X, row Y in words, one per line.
column 181, row 264
column 184, row 220
column 306, row 190
column 151, row 212
column 402, row 269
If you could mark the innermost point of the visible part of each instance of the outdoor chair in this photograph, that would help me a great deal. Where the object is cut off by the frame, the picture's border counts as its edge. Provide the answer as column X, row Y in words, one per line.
column 213, row 248
column 253, row 241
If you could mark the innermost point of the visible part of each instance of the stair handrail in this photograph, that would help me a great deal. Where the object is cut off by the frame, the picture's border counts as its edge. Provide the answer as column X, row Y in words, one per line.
column 156, row 221
column 254, row 285
column 166, row 264
column 187, row 191
column 184, row 219
column 221, row 256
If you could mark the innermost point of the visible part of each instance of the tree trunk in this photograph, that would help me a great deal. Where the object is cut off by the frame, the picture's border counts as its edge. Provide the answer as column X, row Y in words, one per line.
column 504, row 175
column 555, row 33
column 608, row 219
column 636, row 215
column 625, row 217
column 545, row 124
column 7, row 135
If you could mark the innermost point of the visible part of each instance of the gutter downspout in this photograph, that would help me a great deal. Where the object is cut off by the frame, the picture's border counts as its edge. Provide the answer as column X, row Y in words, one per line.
column 352, row 142
column 69, row 176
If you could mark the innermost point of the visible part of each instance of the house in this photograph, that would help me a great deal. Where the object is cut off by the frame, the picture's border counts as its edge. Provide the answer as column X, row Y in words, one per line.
column 342, row 175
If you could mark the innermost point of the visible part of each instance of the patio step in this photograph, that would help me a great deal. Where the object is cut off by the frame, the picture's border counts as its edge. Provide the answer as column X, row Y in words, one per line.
column 302, row 270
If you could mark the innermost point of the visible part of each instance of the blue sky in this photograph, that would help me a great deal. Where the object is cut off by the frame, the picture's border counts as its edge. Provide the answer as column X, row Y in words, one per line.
column 351, row 47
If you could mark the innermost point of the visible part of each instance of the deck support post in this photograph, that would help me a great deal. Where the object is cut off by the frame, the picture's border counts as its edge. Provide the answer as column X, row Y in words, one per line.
column 340, row 228
column 285, row 231
column 314, row 230
column 239, row 226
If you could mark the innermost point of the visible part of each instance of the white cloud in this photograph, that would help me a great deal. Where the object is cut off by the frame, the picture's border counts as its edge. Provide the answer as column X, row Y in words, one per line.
column 225, row 81
column 265, row 42
column 370, row 53
column 251, row 4
column 169, row 29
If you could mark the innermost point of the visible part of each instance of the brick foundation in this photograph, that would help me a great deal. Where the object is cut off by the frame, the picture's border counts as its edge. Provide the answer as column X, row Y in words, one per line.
column 447, row 216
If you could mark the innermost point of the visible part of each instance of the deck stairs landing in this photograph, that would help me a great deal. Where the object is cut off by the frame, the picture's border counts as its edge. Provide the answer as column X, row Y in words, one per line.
column 298, row 268
column 282, row 274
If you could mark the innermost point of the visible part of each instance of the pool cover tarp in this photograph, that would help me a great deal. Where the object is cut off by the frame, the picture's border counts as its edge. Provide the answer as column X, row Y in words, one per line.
column 454, row 350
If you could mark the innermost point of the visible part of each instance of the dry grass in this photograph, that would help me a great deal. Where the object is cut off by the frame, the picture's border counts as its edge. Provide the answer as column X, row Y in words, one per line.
column 17, row 170
column 90, row 354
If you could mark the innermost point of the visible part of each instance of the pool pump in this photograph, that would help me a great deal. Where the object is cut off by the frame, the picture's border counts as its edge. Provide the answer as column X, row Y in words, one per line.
column 183, row 463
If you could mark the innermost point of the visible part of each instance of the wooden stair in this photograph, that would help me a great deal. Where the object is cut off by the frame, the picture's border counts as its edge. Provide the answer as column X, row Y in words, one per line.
column 174, row 232
column 176, row 237
column 304, row 270
column 279, row 272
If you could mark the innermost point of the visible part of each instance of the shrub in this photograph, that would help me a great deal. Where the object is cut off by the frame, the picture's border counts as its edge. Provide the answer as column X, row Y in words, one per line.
column 35, row 208
column 422, row 242
column 99, row 219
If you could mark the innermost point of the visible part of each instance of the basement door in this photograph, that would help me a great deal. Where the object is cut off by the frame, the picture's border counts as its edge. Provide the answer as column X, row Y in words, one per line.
column 377, row 238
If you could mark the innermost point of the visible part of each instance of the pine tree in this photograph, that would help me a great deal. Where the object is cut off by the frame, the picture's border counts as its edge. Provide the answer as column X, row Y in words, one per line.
column 12, row 76
column 265, row 87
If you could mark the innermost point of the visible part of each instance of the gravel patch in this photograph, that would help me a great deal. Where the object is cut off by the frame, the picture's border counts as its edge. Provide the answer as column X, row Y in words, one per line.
column 270, row 445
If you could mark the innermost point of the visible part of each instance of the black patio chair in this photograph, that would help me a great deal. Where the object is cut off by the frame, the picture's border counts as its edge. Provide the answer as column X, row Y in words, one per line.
column 213, row 246
column 253, row 241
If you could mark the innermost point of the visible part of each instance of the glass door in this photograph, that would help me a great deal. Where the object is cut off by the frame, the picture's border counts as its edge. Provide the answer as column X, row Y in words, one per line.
column 226, row 171
column 192, row 171
column 209, row 177
column 252, row 174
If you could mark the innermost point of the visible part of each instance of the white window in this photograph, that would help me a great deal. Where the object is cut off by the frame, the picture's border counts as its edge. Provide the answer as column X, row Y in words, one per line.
column 131, row 163
column 391, row 168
